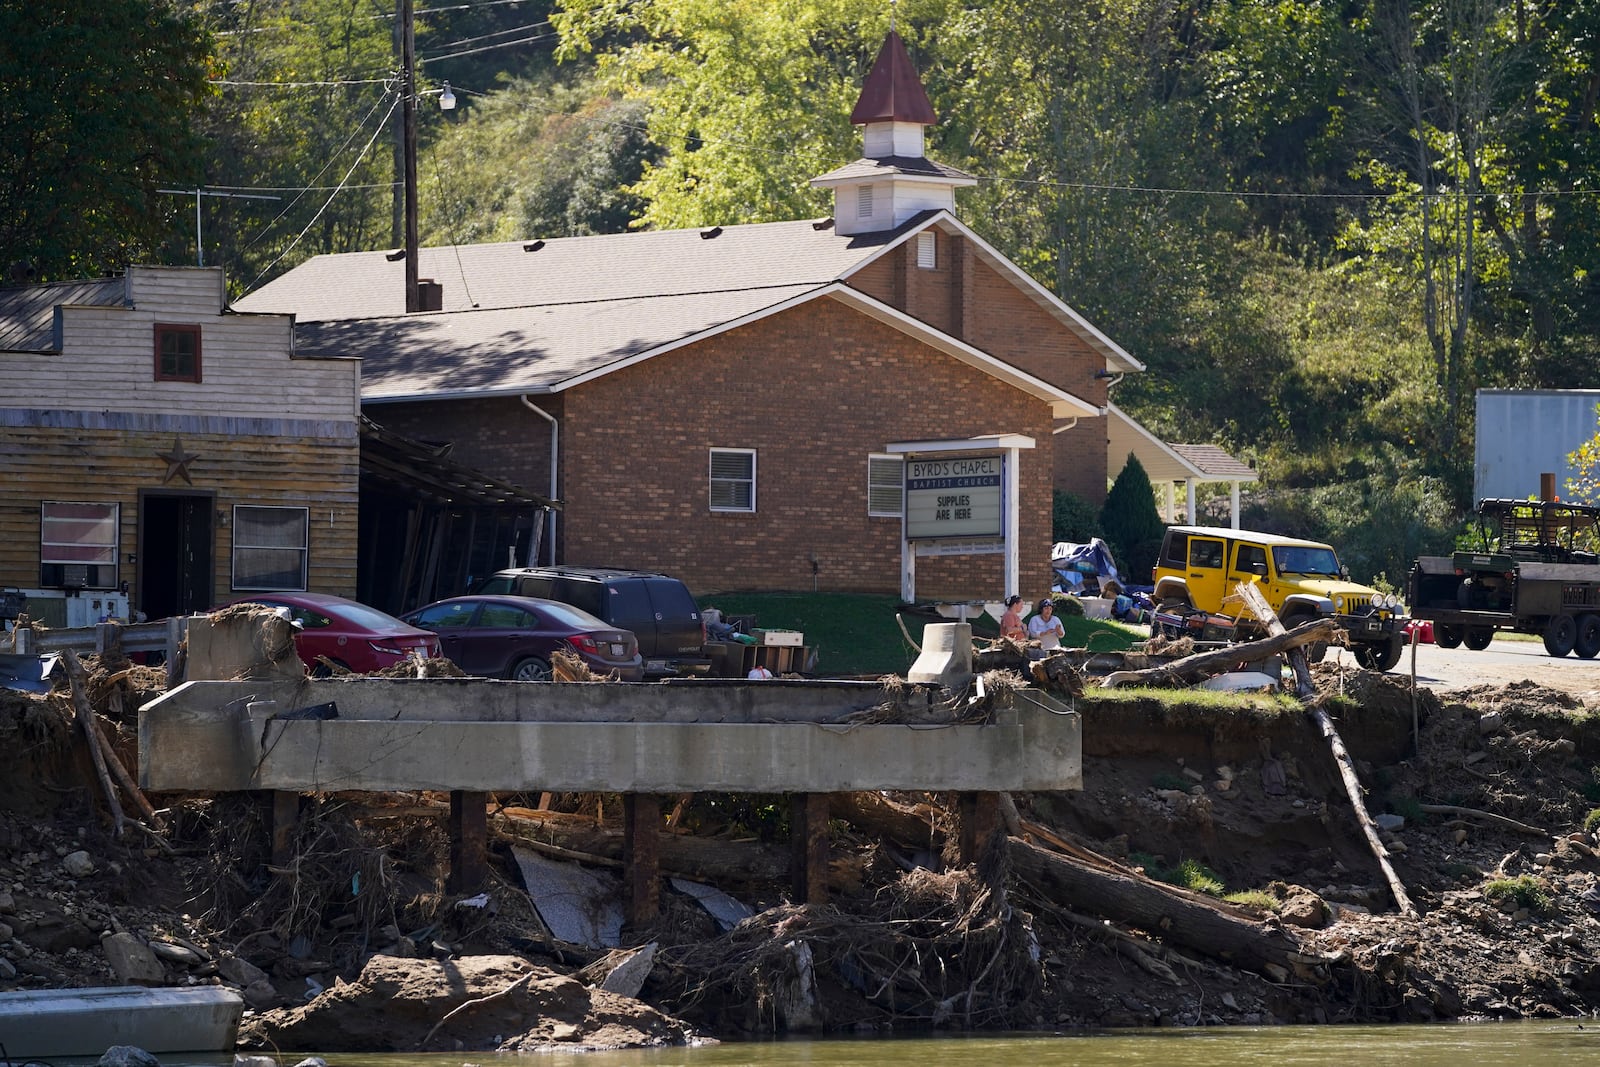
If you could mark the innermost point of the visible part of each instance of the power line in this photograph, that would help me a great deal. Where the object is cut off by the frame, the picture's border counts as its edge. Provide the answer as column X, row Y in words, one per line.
column 490, row 47
column 496, row 33
column 301, row 85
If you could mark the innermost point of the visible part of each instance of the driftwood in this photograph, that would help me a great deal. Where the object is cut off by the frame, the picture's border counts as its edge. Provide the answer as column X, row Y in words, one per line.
column 877, row 814
column 1173, row 914
column 85, row 717
column 706, row 859
column 1341, row 756
column 1487, row 816
column 1203, row 665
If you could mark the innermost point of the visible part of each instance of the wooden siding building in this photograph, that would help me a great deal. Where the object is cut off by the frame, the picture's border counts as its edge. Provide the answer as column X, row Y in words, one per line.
column 162, row 454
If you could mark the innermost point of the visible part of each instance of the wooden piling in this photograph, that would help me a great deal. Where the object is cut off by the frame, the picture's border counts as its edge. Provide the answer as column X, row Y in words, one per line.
column 808, row 837
column 469, row 841
column 641, row 856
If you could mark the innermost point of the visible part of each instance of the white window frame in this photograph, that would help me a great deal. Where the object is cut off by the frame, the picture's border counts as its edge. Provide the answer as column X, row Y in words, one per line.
column 725, row 481
column 304, row 548
column 864, row 200
column 928, row 250
column 879, row 465
column 108, row 550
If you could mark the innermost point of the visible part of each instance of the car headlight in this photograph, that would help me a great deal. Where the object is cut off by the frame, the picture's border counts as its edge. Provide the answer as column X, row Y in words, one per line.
column 1338, row 605
column 1386, row 601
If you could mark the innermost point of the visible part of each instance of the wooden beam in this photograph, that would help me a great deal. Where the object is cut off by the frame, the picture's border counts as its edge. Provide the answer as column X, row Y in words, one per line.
column 641, row 856
column 283, row 814
column 808, row 838
column 469, row 841
column 980, row 818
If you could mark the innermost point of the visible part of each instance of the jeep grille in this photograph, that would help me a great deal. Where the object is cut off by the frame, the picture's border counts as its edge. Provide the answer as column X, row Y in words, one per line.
column 1358, row 605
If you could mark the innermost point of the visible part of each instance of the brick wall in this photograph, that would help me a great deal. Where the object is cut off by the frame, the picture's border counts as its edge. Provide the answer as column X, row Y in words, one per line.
column 971, row 300
column 814, row 391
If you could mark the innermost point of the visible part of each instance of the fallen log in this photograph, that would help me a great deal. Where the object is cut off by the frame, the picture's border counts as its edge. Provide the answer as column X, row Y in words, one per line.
column 1161, row 910
column 1203, row 665
column 1341, row 757
column 1487, row 816
column 875, row 813
column 84, row 714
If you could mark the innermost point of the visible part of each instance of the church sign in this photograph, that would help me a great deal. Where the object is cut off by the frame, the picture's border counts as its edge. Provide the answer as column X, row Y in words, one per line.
column 958, row 496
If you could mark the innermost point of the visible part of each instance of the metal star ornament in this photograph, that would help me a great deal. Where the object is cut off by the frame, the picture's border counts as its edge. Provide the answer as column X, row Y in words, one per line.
column 177, row 461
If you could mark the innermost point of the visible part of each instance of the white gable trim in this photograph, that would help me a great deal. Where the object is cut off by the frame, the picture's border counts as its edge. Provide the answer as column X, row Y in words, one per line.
column 1062, row 403
column 1117, row 358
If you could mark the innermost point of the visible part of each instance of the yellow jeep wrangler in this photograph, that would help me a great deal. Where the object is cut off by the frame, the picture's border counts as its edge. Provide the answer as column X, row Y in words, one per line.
column 1199, row 566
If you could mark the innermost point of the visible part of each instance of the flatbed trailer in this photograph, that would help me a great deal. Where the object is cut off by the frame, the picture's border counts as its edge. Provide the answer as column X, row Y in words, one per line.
column 1536, row 572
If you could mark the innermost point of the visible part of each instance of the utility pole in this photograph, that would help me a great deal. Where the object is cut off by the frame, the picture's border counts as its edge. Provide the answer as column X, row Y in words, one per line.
column 408, row 113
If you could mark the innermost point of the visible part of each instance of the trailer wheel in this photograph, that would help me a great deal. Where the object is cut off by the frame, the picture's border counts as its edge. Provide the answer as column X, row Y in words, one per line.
column 1478, row 637
column 1560, row 634
column 1447, row 636
column 1587, row 642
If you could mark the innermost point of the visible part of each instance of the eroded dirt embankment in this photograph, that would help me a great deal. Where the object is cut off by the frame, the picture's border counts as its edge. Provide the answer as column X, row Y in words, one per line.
column 1482, row 790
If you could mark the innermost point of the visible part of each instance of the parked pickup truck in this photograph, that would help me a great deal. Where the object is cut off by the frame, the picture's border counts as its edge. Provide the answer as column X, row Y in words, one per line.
column 1535, row 572
column 1199, row 566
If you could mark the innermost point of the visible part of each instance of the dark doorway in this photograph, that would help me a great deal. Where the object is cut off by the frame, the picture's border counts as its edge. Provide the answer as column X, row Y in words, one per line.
column 174, row 554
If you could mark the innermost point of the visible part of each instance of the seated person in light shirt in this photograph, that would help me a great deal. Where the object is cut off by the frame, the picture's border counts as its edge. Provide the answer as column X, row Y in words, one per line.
column 1045, row 628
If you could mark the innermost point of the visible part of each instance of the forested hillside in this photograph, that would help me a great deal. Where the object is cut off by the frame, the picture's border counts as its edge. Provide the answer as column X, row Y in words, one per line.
column 1320, row 224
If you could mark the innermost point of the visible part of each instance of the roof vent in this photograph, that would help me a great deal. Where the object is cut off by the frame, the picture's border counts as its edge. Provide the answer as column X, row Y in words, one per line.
column 396, row 256
column 823, row 224
column 533, row 246
column 715, row 231
column 430, row 295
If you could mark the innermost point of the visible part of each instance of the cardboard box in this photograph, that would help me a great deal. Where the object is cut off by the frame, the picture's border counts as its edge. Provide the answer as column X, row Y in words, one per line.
column 779, row 637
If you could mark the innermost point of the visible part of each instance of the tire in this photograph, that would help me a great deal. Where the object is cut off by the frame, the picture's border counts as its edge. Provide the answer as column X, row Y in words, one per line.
column 1560, row 634
column 1314, row 653
column 1447, row 636
column 529, row 669
column 1375, row 657
column 322, row 670
column 1478, row 637
column 1587, row 642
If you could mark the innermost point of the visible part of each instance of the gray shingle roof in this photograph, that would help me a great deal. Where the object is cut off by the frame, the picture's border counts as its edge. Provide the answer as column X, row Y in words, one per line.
column 27, row 313
column 910, row 166
column 1213, row 462
column 520, row 350
column 573, row 270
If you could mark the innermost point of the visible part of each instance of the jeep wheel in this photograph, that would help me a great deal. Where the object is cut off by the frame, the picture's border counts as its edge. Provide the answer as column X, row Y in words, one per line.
column 1560, row 634
column 1375, row 657
column 1587, row 642
column 1478, row 637
column 1447, row 636
column 1315, row 653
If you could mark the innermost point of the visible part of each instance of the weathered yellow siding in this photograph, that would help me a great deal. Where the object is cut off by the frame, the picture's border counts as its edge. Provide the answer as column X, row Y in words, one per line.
column 111, row 467
column 89, row 423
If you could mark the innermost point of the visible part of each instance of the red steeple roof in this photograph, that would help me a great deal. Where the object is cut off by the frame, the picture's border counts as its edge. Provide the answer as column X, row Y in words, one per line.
column 893, row 92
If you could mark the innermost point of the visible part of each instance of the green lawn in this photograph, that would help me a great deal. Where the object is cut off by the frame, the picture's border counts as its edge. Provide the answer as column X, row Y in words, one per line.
column 855, row 634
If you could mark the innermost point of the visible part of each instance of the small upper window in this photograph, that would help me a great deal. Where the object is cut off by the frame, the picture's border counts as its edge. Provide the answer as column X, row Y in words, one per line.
column 177, row 353
column 927, row 250
column 863, row 201
column 733, row 479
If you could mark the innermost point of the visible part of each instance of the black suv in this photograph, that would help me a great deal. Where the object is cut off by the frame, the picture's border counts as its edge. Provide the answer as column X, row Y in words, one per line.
column 658, row 609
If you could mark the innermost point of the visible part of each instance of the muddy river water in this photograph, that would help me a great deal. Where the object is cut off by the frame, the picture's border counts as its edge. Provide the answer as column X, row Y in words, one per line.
column 1511, row 1044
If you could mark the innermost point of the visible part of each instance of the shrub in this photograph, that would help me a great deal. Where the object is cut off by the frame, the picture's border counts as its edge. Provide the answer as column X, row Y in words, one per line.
column 1591, row 820
column 1073, row 519
column 1132, row 525
column 1524, row 890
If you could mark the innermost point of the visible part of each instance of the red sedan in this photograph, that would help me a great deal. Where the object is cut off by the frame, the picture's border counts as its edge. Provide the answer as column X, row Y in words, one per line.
column 350, row 634
column 515, row 636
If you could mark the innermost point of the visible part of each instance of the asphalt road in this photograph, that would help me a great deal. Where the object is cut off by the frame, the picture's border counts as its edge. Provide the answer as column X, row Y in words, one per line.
column 1503, row 662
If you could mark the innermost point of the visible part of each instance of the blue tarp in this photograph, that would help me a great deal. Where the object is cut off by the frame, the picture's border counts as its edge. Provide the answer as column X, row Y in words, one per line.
column 1083, row 568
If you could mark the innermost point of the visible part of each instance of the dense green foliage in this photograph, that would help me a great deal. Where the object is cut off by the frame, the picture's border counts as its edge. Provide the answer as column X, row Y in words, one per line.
column 97, row 103
column 1073, row 519
column 1133, row 526
column 1321, row 224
